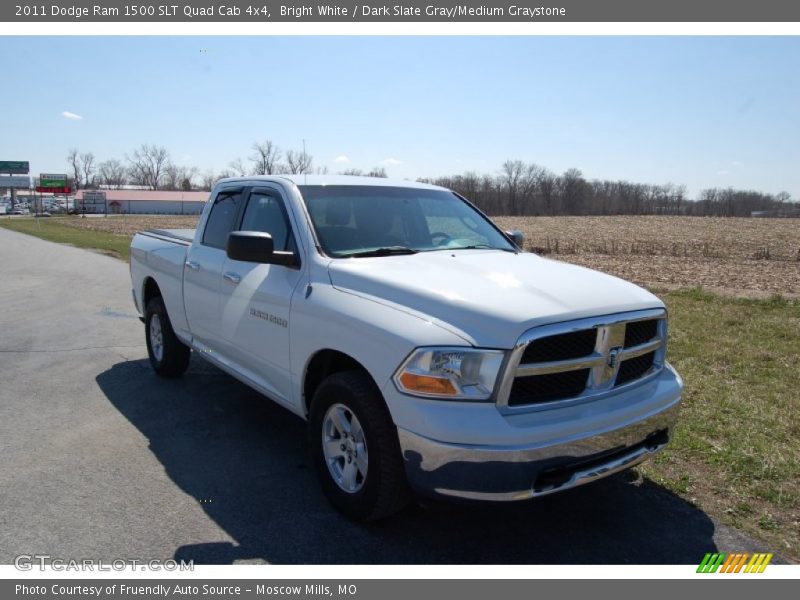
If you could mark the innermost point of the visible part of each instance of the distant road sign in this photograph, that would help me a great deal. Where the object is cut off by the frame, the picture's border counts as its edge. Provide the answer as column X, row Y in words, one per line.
column 15, row 181
column 50, row 180
column 21, row 167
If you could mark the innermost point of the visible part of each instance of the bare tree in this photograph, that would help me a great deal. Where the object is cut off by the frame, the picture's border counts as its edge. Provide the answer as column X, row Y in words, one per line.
column 74, row 160
column 112, row 174
column 172, row 177
column 529, row 182
column 87, row 166
column 572, row 191
column 179, row 178
column 547, row 190
column 352, row 172
column 208, row 180
column 512, row 172
column 469, row 182
column 298, row 162
column 238, row 166
column 265, row 158
column 377, row 172
column 147, row 165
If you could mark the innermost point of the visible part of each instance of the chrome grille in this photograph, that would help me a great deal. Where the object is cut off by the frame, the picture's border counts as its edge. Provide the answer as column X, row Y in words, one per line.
column 634, row 368
column 639, row 332
column 560, row 347
column 544, row 388
column 577, row 360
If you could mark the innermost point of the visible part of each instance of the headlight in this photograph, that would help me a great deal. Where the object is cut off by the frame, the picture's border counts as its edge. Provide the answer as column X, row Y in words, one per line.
column 458, row 373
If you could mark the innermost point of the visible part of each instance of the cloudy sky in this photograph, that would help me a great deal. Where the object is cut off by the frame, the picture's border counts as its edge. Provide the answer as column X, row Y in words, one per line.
column 702, row 111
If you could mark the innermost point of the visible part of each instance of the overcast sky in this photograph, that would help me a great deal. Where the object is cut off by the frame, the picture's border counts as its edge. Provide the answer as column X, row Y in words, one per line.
column 702, row 111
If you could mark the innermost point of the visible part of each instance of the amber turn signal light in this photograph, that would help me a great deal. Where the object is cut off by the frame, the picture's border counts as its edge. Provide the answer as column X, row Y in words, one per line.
column 426, row 384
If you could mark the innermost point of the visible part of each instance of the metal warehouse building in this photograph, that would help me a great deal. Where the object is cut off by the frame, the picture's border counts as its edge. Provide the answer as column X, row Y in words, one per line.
column 140, row 202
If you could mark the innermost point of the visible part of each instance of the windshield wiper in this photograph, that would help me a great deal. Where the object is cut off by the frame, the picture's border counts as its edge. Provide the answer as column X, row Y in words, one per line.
column 479, row 247
column 385, row 251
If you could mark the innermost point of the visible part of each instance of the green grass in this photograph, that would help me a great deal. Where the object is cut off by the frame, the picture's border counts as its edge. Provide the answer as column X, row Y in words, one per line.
column 736, row 449
column 54, row 230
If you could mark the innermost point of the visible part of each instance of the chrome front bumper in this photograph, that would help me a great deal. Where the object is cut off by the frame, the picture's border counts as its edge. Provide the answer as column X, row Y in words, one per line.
column 497, row 473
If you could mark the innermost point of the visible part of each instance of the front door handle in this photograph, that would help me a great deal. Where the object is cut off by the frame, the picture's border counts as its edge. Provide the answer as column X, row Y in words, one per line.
column 232, row 277
column 194, row 266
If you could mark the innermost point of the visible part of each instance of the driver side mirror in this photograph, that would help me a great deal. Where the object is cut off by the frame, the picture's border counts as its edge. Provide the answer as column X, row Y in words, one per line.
column 257, row 247
column 516, row 236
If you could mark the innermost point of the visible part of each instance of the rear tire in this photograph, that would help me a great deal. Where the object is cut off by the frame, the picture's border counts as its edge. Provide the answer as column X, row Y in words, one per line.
column 354, row 448
column 169, row 357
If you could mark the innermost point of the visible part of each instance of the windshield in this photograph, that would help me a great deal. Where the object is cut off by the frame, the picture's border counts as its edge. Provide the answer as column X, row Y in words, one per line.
column 362, row 220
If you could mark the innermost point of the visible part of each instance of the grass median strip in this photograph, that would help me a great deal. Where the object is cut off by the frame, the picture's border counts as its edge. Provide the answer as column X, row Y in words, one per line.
column 736, row 449
column 56, row 229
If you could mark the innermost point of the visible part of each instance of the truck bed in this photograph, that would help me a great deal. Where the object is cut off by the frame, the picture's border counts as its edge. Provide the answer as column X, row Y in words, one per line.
column 160, row 254
column 184, row 236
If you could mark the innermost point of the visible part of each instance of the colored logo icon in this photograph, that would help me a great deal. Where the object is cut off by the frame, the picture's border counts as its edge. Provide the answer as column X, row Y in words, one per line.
column 736, row 562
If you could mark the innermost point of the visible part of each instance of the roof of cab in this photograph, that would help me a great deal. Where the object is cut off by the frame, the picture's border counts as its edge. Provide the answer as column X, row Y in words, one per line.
column 335, row 180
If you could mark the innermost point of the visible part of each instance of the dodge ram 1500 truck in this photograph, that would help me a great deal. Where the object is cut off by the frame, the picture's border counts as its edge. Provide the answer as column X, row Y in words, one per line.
column 428, row 352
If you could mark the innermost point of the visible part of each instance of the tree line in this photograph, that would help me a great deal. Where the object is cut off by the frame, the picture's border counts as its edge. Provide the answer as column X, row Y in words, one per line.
column 151, row 167
column 518, row 188
column 528, row 189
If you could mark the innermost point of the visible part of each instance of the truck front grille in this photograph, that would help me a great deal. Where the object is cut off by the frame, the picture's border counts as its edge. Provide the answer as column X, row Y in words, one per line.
column 575, row 344
column 585, row 358
column 544, row 388
column 639, row 332
column 634, row 368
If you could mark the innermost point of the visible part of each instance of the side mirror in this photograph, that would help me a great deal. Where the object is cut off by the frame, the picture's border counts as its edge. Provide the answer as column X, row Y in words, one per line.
column 516, row 236
column 257, row 247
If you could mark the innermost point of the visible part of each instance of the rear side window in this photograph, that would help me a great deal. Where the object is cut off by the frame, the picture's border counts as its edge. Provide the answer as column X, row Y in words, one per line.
column 222, row 219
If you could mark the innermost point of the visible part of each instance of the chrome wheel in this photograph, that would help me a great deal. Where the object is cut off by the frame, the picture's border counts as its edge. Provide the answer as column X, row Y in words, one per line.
column 344, row 448
column 156, row 338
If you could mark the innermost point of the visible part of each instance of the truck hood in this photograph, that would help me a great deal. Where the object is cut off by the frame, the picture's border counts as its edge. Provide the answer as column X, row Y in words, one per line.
column 488, row 297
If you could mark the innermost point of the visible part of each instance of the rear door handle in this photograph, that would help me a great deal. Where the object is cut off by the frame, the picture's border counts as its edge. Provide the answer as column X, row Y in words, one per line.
column 194, row 266
column 232, row 277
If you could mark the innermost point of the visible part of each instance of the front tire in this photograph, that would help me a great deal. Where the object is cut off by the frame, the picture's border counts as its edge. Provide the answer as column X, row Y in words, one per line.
column 169, row 357
column 354, row 448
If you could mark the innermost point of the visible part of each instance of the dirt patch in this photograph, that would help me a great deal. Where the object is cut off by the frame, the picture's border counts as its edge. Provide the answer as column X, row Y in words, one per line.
column 738, row 257
column 753, row 258
column 729, row 277
column 130, row 224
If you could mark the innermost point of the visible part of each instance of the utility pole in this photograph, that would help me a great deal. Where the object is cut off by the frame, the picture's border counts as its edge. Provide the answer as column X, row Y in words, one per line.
column 13, row 195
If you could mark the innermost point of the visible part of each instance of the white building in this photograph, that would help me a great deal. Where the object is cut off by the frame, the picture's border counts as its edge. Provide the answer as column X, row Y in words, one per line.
column 140, row 202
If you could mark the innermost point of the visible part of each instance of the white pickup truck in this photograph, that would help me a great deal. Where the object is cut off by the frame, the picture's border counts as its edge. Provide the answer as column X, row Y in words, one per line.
column 427, row 351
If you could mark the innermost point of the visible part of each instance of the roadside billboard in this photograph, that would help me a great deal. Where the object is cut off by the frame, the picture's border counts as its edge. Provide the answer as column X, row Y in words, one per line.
column 53, row 180
column 15, row 181
column 15, row 167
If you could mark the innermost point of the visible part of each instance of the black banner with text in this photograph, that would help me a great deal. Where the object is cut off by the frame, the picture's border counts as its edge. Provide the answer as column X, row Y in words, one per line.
column 256, row 11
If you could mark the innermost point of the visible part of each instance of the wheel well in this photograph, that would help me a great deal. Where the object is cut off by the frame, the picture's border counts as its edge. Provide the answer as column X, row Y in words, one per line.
column 150, row 291
column 323, row 364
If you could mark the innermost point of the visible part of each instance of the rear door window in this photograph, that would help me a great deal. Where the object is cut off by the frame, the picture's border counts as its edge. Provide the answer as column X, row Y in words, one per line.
column 222, row 219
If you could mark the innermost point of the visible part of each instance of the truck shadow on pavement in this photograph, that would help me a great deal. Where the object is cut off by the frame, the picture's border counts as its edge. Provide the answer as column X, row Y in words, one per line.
column 245, row 460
